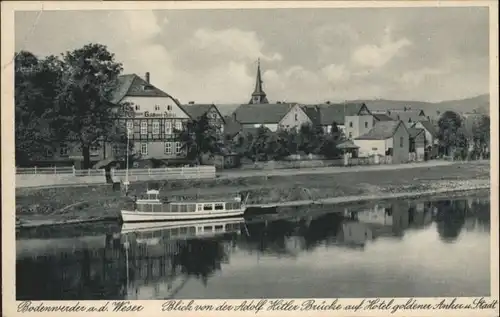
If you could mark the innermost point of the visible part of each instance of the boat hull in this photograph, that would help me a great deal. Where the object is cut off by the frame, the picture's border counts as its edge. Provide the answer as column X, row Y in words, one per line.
column 140, row 216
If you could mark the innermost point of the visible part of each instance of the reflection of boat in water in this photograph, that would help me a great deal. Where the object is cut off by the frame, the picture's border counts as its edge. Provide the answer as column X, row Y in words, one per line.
column 152, row 209
column 153, row 233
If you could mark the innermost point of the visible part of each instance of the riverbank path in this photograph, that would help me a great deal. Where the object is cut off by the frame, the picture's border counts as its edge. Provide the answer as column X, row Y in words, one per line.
column 329, row 169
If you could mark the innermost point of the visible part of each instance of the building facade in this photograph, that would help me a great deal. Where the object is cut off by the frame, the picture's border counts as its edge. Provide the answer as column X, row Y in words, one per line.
column 385, row 139
column 294, row 118
column 157, row 120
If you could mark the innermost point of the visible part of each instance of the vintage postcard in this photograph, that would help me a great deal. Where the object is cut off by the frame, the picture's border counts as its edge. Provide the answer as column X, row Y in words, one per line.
column 250, row 158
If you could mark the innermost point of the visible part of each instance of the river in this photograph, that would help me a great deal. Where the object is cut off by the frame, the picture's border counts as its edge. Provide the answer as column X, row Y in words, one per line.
column 403, row 248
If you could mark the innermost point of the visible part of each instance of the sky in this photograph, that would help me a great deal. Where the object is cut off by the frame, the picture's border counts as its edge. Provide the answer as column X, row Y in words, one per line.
column 307, row 55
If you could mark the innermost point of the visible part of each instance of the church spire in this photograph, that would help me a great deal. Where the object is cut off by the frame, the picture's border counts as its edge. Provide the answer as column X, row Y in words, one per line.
column 258, row 95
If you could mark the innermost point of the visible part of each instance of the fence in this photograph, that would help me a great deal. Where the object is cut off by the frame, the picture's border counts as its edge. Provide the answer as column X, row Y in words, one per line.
column 165, row 173
column 59, row 171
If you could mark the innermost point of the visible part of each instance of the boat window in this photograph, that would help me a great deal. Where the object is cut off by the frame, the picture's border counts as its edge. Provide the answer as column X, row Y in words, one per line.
column 192, row 230
column 183, row 208
column 191, row 208
column 219, row 228
column 207, row 229
column 174, row 232
column 228, row 227
column 184, row 230
column 200, row 207
column 207, row 207
column 219, row 206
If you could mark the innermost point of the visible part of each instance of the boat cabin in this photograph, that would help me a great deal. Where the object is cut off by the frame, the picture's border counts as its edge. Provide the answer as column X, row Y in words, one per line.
column 184, row 206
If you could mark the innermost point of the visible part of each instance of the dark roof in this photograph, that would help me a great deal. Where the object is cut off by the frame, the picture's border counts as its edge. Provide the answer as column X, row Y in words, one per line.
column 429, row 127
column 231, row 127
column 195, row 111
column 414, row 132
column 382, row 117
column 261, row 113
column 381, row 131
column 312, row 113
column 227, row 109
column 329, row 113
column 133, row 85
column 409, row 115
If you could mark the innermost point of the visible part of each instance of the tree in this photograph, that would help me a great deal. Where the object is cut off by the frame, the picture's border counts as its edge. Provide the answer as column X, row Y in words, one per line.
column 199, row 137
column 336, row 132
column 310, row 139
column 481, row 136
column 451, row 136
column 37, row 83
column 83, row 112
column 258, row 149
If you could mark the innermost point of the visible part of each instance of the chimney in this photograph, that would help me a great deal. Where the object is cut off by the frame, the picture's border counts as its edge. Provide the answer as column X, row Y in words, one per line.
column 191, row 102
column 147, row 77
column 327, row 102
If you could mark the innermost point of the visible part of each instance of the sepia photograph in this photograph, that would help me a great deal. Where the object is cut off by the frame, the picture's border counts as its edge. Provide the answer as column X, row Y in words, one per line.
column 243, row 153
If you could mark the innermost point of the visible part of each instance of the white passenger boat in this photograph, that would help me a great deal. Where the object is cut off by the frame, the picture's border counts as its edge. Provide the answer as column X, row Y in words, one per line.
column 152, row 209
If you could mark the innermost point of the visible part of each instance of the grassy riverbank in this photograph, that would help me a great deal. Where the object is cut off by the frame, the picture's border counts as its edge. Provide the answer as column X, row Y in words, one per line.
column 96, row 202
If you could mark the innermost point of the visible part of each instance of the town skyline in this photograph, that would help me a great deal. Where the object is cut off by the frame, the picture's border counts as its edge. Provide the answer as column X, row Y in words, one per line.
column 345, row 54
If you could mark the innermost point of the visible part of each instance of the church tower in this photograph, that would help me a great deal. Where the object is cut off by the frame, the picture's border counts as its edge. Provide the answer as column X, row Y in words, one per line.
column 258, row 95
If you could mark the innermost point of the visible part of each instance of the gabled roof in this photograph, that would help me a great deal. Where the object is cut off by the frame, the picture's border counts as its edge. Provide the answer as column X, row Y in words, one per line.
column 329, row 113
column 382, row 130
column 415, row 132
column 428, row 126
column 227, row 109
column 382, row 117
column 195, row 111
column 312, row 113
column 132, row 85
column 408, row 115
column 261, row 113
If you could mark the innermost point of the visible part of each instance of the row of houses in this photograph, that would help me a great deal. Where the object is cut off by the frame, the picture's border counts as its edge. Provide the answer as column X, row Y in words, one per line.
column 158, row 117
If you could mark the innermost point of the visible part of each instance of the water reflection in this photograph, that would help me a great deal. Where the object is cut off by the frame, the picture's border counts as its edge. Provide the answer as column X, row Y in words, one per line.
column 151, row 262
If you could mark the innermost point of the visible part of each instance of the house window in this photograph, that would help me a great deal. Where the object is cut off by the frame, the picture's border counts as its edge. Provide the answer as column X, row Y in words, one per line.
column 178, row 147
column 401, row 141
column 157, row 107
column 94, row 148
column 350, row 135
column 169, row 108
column 130, row 125
column 296, row 117
column 350, row 124
column 49, row 153
column 168, row 147
column 374, row 148
column 137, row 107
column 168, row 127
column 156, row 127
column 366, row 124
column 178, row 125
column 63, row 150
column 144, row 127
column 144, row 148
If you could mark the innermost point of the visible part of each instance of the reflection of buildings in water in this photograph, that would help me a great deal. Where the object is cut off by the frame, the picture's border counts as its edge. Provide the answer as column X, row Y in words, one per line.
column 354, row 233
column 76, row 270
